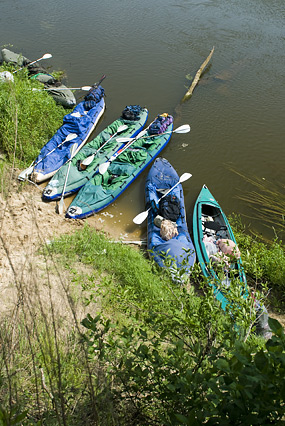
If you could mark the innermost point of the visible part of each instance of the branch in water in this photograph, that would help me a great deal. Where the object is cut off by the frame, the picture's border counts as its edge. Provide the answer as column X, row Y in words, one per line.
column 197, row 77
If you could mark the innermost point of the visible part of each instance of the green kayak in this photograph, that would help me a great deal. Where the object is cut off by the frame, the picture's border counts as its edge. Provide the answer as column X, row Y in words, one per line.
column 85, row 163
column 122, row 169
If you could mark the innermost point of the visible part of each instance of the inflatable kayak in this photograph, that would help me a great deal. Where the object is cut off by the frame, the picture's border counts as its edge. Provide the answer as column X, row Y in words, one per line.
column 122, row 169
column 61, row 94
column 160, row 179
column 215, row 243
column 85, row 164
column 69, row 138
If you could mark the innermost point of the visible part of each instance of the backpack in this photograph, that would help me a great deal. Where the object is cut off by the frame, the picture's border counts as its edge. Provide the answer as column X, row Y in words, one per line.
column 93, row 97
column 169, row 207
column 132, row 112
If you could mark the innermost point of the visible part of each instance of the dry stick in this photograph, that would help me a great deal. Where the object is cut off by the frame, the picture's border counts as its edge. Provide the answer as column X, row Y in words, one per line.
column 189, row 92
column 44, row 384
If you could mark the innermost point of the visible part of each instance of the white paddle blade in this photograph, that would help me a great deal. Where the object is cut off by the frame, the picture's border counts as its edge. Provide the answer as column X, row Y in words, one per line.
column 46, row 56
column 184, row 177
column 26, row 173
column 70, row 137
column 185, row 128
column 124, row 140
column 141, row 217
column 87, row 160
column 122, row 128
column 85, row 88
column 104, row 167
column 60, row 206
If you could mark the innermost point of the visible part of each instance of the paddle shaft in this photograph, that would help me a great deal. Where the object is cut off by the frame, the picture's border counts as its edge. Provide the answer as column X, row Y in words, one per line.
column 30, row 63
column 142, row 216
column 72, row 152
column 50, row 152
column 120, row 151
column 182, row 129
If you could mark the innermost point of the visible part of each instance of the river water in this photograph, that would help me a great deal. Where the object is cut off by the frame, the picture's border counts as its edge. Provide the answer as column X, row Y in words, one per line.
column 149, row 52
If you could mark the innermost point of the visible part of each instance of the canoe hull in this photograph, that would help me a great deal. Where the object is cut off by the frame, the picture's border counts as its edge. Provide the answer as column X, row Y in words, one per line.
column 208, row 210
column 162, row 176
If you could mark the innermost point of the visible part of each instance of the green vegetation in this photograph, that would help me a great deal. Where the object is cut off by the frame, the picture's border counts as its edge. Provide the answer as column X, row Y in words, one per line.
column 147, row 351
column 265, row 263
column 28, row 118
column 99, row 335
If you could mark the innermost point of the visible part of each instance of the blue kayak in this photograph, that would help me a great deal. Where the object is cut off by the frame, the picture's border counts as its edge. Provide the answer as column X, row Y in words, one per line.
column 161, row 177
column 69, row 138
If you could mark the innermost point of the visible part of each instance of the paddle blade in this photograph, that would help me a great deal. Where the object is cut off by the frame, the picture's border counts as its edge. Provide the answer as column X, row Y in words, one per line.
column 104, row 167
column 184, row 177
column 85, row 87
column 87, row 160
column 26, row 173
column 122, row 128
column 70, row 137
column 124, row 140
column 141, row 217
column 46, row 56
column 185, row 128
column 60, row 206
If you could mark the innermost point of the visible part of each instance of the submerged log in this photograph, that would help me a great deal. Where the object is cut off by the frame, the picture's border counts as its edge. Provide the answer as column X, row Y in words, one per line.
column 194, row 83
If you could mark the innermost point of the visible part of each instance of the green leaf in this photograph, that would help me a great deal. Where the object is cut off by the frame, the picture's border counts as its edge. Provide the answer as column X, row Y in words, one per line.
column 275, row 326
column 182, row 419
column 260, row 360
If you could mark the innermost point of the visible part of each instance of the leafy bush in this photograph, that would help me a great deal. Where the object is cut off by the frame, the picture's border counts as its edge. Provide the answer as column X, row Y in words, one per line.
column 263, row 262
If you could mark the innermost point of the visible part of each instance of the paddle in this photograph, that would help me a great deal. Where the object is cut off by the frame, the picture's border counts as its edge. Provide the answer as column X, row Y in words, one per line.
column 140, row 218
column 96, row 84
column 104, row 166
column 61, row 201
column 45, row 56
column 25, row 173
column 64, row 88
column 88, row 160
column 185, row 128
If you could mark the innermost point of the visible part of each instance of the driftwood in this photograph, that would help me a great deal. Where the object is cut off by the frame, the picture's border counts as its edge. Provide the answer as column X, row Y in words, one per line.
column 194, row 83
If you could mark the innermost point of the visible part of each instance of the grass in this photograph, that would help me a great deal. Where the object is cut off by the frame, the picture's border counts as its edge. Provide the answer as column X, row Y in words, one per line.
column 98, row 335
column 28, row 118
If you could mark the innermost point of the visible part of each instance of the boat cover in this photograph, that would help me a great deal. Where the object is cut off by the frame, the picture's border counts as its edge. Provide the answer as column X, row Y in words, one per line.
column 77, row 176
column 80, row 123
column 180, row 249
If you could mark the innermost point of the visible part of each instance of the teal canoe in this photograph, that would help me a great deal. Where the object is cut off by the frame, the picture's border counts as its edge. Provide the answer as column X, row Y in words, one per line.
column 95, row 152
column 210, row 221
column 124, row 168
